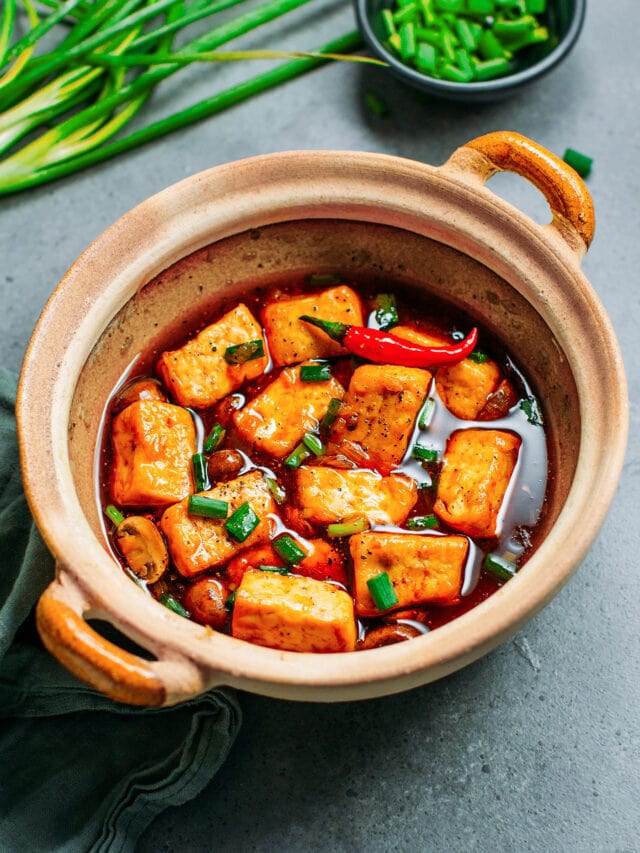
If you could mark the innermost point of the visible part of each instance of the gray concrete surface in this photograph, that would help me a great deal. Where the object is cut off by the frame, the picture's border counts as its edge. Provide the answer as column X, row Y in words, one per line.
column 535, row 747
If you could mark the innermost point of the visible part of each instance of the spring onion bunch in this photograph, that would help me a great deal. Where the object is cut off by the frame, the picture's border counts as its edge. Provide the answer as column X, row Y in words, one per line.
column 83, row 69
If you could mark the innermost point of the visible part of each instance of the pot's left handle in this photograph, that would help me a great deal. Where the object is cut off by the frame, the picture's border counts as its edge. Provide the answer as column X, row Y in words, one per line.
column 119, row 674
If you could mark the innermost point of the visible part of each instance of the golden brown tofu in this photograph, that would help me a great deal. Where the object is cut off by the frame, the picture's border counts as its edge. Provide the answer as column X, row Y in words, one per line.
column 197, row 543
column 198, row 374
column 465, row 387
column 153, row 443
column 379, row 411
column 293, row 613
column 476, row 470
column 326, row 495
column 423, row 569
column 276, row 419
column 292, row 340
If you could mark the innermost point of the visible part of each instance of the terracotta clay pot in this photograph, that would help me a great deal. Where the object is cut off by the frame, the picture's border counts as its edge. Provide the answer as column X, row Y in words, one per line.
column 437, row 228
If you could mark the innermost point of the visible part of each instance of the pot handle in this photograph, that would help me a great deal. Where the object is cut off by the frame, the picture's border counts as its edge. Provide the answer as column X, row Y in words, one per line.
column 506, row 151
column 119, row 674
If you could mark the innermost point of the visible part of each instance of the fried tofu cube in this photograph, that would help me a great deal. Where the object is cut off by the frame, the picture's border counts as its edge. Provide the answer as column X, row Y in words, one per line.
column 291, row 340
column 293, row 613
column 476, row 471
column 323, row 562
column 153, row 443
column 423, row 569
column 379, row 411
column 198, row 374
column 197, row 543
column 277, row 418
column 328, row 495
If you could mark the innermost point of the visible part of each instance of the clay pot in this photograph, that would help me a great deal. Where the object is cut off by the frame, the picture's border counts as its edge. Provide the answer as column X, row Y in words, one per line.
column 437, row 228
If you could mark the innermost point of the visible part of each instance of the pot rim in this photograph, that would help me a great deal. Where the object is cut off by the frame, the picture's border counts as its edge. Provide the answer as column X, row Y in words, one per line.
column 259, row 191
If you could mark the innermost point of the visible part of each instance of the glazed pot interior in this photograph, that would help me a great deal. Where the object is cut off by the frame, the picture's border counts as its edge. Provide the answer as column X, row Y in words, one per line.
column 165, row 309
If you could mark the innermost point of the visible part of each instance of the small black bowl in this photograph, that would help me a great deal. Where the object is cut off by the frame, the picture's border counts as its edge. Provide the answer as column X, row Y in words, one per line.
column 564, row 19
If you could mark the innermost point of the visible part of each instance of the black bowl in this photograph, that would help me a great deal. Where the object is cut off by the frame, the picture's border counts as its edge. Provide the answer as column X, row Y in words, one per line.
column 564, row 19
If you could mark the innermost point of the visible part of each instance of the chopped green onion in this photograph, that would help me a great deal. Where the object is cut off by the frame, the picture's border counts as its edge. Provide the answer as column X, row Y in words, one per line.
column 499, row 568
column 426, row 454
column 241, row 524
column 386, row 311
column 315, row 372
column 287, row 547
column 313, row 443
column 407, row 34
column 114, row 514
column 382, row 591
column 172, row 603
column 231, row 600
column 388, row 21
column 323, row 279
column 215, row 438
column 207, row 507
column 529, row 406
column 348, row 528
column 280, row 570
column 277, row 492
column 247, row 351
column 200, row 474
column 422, row 522
column 491, row 68
column 297, row 456
column 426, row 415
column 580, row 162
column 334, row 407
column 478, row 356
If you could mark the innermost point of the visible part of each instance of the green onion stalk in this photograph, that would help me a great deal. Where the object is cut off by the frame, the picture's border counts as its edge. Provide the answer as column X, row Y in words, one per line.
column 64, row 109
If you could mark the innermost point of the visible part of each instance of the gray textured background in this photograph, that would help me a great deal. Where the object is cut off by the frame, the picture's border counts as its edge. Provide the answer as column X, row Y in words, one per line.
column 536, row 746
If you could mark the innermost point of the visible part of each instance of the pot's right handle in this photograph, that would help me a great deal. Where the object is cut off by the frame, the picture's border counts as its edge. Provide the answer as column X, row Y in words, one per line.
column 506, row 151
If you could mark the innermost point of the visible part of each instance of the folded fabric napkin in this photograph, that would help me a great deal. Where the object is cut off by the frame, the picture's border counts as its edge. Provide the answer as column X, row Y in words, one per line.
column 78, row 771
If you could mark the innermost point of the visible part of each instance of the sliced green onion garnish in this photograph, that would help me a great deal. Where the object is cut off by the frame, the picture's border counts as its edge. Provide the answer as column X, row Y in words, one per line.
column 280, row 570
column 426, row 454
column 114, row 514
column 287, row 547
column 348, row 528
column 382, row 591
column 529, row 406
column 386, row 311
column 297, row 456
column 277, row 492
column 478, row 356
column 323, row 279
column 247, row 351
column 499, row 568
column 422, row 522
column 231, row 600
column 214, row 439
column 172, row 603
column 315, row 372
column 426, row 415
column 241, row 524
column 200, row 475
column 580, row 162
column 313, row 443
column 332, row 412
column 207, row 507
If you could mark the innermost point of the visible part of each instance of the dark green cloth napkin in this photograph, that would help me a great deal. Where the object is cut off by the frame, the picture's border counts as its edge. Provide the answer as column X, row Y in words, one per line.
column 79, row 772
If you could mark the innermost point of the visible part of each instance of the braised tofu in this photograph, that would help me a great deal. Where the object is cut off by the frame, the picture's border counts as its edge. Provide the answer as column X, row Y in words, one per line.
column 153, row 443
column 198, row 373
column 277, row 418
column 423, row 569
column 197, row 543
column 465, row 387
column 476, row 470
column 291, row 340
column 379, row 411
column 293, row 613
column 322, row 562
column 328, row 495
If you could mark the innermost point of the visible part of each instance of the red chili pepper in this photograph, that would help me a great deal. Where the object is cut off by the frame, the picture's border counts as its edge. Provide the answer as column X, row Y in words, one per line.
column 384, row 348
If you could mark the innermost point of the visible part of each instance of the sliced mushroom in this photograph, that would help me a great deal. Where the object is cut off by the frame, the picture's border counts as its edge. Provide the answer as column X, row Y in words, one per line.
column 387, row 635
column 143, row 548
column 224, row 465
